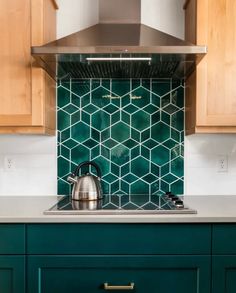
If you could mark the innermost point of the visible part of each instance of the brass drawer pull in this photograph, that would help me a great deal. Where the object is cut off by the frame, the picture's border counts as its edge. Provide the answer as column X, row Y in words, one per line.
column 123, row 287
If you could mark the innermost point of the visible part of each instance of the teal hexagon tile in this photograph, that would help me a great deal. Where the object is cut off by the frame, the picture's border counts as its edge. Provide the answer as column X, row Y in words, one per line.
column 104, row 165
column 140, row 97
column 177, row 187
column 110, row 108
column 115, row 169
column 65, row 134
column 140, row 166
column 110, row 143
column 145, row 152
column 65, row 84
column 85, row 100
column 135, row 152
column 140, row 120
column 150, row 143
column 75, row 117
column 170, row 143
column 70, row 143
column 177, row 166
column 156, row 100
column 177, row 120
column 165, row 169
column 90, row 143
column 155, row 170
column 80, row 132
column 145, row 134
column 64, row 95
column 80, row 87
column 105, row 152
column 155, row 186
column 125, row 118
column 178, row 97
column 175, row 134
column 86, row 118
column 64, row 152
column 165, row 117
column 120, row 155
column 150, row 178
column 58, row 136
column 182, row 136
column 160, row 155
column 177, row 151
column 156, row 117
column 170, row 109
column 130, row 109
column 79, row 154
column 110, row 178
column 146, row 83
column 164, row 186
column 120, row 87
column 115, row 117
column 90, row 109
column 151, row 109
column 139, row 187
column 130, row 143
column 105, row 134
column 95, row 152
column 105, row 187
column 100, row 97
column 125, row 169
column 165, row 101
column 63, row 166
column 161, row 87
column 106, row 83
column 95, row 134
column 124, row 187
column 160, row 132
column 75, row 100
column 63, row 120
column 169, row 178
column 63, row 188
column 114, row 187
column 95, row 83
column 100, row 120
column 135, row 83
column 135, row 135
column 130, row 178
column 120, row 132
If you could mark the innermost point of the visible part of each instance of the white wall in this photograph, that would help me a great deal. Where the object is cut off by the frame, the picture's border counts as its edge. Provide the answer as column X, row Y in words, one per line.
column 164, row 15
column 75, row 15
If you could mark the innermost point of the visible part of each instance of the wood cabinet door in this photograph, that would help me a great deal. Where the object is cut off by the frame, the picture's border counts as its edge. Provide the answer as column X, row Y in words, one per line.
column 216, row 93
column 12, row 274
column 154, row 274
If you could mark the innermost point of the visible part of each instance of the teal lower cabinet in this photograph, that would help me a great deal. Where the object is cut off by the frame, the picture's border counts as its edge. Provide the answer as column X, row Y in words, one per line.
column 12, row 274
column 141, row 274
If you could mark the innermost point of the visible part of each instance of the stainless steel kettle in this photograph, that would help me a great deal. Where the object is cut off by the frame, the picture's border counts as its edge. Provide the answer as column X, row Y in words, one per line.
column 87, row 186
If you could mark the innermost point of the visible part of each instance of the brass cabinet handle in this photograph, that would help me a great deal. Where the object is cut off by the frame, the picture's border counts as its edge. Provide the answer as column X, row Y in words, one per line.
column 122, row 287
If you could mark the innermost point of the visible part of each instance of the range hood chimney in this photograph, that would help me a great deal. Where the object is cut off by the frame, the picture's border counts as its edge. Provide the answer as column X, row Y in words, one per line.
column 119, row 46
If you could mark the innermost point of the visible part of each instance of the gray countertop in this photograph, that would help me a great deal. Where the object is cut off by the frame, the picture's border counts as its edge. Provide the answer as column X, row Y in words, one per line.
column 29, row 209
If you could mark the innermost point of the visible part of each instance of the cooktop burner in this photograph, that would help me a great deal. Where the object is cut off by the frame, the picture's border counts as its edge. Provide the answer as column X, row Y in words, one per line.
column 123, row 204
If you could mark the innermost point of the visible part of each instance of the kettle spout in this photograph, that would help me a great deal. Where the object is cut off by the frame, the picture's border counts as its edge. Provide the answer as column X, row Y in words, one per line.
column 71, row 179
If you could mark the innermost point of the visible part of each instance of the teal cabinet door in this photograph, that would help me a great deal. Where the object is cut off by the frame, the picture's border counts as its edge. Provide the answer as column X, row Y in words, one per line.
column 224, row 274
column 12, row 275
column 147, row 274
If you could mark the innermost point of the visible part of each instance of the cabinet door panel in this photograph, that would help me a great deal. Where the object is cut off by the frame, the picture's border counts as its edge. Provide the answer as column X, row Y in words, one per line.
column 162, row 274
column 12, row 274
column 224, row 274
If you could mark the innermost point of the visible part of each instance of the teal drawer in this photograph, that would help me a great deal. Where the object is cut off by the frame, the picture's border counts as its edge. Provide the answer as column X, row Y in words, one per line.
column 224, row 239
column 156, row 274
column 12, row 239
column 118, row 239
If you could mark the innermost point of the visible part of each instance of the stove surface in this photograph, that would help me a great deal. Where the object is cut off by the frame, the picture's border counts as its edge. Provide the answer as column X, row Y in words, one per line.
column 122, row 204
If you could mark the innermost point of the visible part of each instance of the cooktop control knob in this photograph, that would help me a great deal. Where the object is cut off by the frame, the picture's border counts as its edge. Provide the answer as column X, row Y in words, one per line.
column 179, row 204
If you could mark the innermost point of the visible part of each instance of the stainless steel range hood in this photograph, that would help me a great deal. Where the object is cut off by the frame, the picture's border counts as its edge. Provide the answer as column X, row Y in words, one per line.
column 119, row 47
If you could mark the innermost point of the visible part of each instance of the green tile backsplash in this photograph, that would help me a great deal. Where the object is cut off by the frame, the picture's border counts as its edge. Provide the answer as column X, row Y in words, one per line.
column 133, row 129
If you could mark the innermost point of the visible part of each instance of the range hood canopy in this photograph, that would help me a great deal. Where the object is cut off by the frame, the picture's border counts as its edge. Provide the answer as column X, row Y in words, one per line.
column 119, row 47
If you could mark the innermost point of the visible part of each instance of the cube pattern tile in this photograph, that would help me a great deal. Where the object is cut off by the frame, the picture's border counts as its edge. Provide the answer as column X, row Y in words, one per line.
column 133, row 129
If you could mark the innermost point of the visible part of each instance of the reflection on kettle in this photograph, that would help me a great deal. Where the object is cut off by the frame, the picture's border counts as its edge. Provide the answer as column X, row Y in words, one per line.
column 87, row 205
column 86, row 186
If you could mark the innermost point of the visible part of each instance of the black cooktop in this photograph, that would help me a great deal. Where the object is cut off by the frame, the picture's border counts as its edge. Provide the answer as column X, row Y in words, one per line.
column 123, row 204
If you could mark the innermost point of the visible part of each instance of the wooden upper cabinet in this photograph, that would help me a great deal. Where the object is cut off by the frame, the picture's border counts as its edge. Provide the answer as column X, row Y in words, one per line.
column 211, row 90
column 27, row 96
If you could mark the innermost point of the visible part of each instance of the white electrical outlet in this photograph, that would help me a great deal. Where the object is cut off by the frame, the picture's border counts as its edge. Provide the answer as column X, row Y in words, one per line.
column 9, row 164
column 222, row 163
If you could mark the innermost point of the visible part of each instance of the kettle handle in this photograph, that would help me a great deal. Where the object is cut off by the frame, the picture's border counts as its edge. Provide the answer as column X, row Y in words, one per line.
column 87, row 163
